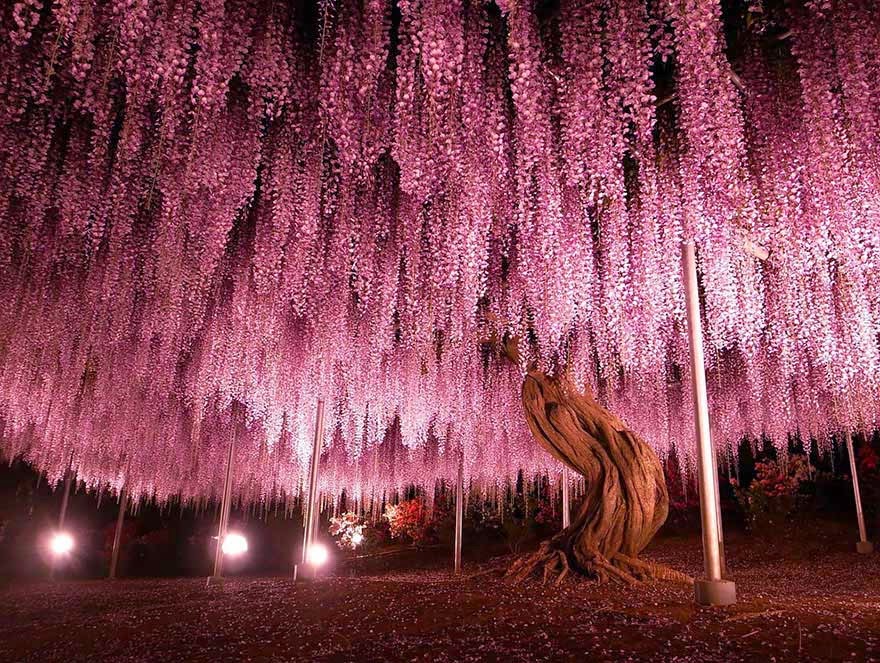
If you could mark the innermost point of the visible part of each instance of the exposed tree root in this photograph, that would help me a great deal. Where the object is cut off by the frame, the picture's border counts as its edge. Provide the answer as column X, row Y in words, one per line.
column 552, row 564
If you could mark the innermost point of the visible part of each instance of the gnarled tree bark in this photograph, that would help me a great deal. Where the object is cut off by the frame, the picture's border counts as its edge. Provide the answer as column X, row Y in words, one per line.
column 626, row 500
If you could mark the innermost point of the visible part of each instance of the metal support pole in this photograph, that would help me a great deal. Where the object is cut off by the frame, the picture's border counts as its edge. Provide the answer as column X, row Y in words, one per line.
column 863, row 546
column 566, row 498
column 718, row 511
column 224, row 511
column 459, row 512
column 712, row 590
column 65, row 498
column 311, row 524
column 117, row 534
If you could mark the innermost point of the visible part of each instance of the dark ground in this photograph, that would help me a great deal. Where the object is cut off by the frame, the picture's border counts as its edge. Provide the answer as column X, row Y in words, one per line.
column 806, row 596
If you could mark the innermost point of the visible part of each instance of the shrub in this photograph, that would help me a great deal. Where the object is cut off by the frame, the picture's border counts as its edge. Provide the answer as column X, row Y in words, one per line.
column 410, row 521
column 348, row 530
column 773, row 494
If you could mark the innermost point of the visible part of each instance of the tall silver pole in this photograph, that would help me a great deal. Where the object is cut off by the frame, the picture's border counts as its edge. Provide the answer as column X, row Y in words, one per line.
column 712, row 590
column 566, row 498
column 65, row 498
column 224, row 510
column 117, row 534
column 311, row 525
column 863, row 546
column 718, row 511
column 459, row 512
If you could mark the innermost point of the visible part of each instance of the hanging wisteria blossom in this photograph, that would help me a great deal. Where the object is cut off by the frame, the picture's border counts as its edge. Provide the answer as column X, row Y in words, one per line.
column 215, row 212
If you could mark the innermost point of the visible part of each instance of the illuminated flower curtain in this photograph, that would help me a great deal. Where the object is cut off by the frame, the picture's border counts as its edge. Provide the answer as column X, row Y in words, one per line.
column 215, row 212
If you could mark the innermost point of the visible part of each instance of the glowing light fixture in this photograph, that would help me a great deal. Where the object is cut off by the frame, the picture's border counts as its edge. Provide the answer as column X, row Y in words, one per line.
column 234, row 544
column 317, row 555
column 357, row 539
column 61, row 543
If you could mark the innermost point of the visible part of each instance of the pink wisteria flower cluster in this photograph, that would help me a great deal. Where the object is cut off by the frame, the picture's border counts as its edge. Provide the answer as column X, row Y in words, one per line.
column 215, row 212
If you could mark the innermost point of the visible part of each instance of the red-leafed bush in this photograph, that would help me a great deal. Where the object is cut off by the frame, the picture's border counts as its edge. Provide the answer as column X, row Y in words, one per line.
column 411, row 521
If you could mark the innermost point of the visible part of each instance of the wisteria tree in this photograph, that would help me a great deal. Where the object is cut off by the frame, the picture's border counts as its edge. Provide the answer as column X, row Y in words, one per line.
column 215, row 212
column 626, row 499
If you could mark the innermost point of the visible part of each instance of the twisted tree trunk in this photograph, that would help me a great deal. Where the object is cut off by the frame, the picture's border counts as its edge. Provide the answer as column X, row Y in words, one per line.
column 626, row 500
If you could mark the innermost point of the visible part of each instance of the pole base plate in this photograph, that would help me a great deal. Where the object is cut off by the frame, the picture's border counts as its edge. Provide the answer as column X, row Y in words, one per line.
column 865, row 547
column 715, row 592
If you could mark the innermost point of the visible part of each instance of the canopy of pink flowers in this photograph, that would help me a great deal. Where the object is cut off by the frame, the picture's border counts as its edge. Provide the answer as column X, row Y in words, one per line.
column 215, row 212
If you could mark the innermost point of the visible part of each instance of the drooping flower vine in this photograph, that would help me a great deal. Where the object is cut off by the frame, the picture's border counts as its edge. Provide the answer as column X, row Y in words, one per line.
column 215, row 212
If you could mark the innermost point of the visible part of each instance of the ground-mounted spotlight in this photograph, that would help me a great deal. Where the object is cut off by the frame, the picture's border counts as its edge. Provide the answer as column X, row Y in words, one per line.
column 61, row 544
column 357, row 539
column 317, row 555
column 234, row 545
